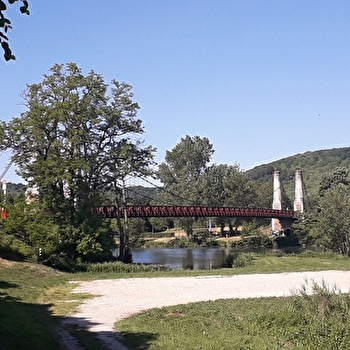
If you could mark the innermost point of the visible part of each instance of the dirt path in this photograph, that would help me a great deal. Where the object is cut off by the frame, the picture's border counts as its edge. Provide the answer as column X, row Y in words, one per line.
column 118, row 299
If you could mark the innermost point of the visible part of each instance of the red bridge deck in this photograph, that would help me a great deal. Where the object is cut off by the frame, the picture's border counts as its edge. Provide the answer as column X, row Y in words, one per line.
column 181, row 211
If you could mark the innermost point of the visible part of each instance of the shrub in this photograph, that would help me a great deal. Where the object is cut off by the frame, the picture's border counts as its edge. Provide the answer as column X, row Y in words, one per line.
column 229, row 260
column 238, row 260
column 12, row 247
column 324, row 313
column 119, row 267
column 258, row 241
column 242, row 260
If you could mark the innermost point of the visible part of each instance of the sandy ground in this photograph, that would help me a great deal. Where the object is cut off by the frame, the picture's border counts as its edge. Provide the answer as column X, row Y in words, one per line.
column 117, row 299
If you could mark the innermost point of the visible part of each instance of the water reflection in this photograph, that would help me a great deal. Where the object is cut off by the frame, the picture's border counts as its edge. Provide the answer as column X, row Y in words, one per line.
column 183, row 258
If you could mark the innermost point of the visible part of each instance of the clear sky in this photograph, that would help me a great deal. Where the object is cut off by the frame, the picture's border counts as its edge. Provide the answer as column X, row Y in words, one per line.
column 261, row 79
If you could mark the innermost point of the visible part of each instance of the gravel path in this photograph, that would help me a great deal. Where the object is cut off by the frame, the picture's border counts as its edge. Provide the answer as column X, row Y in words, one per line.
column 119, row 298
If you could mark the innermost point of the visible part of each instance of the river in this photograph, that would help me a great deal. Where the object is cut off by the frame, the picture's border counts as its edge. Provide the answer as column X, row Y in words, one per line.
column 183, row 258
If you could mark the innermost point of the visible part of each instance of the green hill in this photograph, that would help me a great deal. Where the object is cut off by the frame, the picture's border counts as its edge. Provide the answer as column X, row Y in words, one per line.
column 313, row 165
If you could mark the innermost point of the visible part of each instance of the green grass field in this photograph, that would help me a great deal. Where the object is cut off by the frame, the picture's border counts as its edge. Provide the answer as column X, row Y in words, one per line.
column 34, row 299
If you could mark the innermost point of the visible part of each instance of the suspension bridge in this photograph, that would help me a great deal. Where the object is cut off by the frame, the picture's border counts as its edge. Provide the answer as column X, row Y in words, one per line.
column 281, row 219
column 190, row 211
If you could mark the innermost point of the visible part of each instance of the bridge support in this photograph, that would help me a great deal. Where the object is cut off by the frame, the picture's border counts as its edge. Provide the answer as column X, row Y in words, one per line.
column 284, row 225
column 299, row 197
column 276, row 225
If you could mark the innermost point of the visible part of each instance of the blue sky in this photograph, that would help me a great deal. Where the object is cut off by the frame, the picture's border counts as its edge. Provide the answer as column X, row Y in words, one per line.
column 261, row 79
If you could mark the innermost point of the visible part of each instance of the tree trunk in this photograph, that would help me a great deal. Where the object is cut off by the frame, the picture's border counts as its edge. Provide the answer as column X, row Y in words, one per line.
column 121, row 240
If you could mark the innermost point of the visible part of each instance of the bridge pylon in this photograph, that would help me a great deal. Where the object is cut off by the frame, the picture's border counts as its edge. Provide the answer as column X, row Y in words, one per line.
column 279, row 226
column 276, row 226
column 299, row 197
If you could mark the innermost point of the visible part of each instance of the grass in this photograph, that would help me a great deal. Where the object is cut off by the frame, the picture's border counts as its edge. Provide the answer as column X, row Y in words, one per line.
column 318, row 321
column 34, row 299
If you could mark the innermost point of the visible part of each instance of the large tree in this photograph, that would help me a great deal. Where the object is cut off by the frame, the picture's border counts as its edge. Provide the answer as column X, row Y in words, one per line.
column 182, row 173
column 77, row 139
column 333, row 219
column 227, row 185
column 5, row 26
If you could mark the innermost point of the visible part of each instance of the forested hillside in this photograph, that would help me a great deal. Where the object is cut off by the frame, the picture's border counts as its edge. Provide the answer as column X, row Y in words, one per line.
column 312, row 164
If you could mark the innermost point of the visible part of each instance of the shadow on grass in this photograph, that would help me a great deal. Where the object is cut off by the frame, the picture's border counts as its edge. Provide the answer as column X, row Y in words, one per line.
column 79, row 328
column 139, row 341
column 33, row 326
column 6, row 285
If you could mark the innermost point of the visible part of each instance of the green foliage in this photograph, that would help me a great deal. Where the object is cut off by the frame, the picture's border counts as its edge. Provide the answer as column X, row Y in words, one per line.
column 339, row 175
column 181, row 242
column 119, row 267
column 323, row 311
column 182, row 174
column 239, row 260
column 305, row 229
column 6, row 25
column 257, row 241
column 137, row 227
column 13, row 248
column 243, row 260
column 313, row 164
column 189, row 180
column 334, row 219
column 31, row 226
column 286, row 241
column 75, row 141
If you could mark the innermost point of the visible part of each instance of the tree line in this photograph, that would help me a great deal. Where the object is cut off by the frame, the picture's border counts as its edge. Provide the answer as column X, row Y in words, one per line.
column 77, row 142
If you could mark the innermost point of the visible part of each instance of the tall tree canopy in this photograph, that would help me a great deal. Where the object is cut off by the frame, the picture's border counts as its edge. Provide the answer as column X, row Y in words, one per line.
column 331, row 179
column 227, row 185
column 183, row 169
column 5, row 26
column 334, row 211
column 182, row 173
column 77, row 139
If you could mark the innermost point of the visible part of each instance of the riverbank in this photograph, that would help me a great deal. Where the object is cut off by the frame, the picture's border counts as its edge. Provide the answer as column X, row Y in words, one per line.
column 44, row 299
column 117, row 299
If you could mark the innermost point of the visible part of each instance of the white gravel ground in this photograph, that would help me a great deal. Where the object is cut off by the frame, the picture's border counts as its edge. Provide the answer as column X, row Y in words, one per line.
column 119, row 298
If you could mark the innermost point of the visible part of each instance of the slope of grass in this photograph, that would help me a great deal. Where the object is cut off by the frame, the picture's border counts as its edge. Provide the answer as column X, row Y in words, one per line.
column 34, row 299
column 299, row 322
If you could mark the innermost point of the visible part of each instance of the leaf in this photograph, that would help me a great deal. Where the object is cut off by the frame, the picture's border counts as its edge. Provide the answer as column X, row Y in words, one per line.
column 24, row 9
column 5, row 45
column 7, row 27
column 7, row 51
column 3, row 36
column 2, row 6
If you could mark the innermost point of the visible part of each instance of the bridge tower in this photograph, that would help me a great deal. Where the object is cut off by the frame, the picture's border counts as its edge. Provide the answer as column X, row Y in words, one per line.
column 299, row 198
column 277, row 201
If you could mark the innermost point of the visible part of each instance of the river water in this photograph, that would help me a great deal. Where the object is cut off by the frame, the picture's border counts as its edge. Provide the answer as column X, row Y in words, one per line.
column 183, row 258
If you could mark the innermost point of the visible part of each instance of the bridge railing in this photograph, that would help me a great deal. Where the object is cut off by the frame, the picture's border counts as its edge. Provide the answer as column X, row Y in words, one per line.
column 189, row 211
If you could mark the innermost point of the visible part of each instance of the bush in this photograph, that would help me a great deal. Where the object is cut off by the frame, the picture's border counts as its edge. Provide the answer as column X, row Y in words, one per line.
column 258, row 241
column 181, row 242
column 229, row 260
column 12, row 247
column 119, row 267
column 324, row 313
column 242, row 260
column 238, row 260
